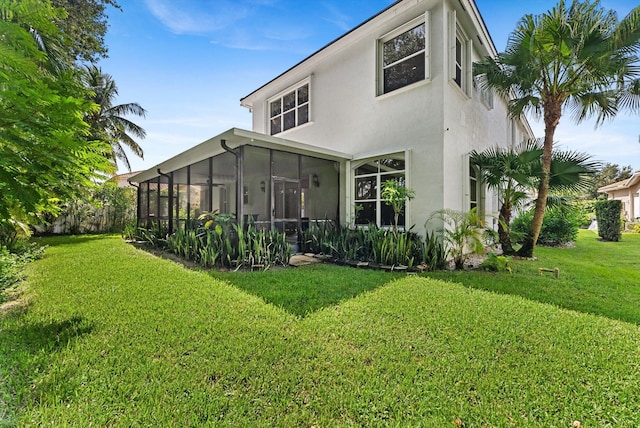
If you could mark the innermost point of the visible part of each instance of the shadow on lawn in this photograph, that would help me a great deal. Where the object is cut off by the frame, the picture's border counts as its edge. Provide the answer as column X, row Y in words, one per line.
column 28, row 350
column 304, row 290
column 48, row 336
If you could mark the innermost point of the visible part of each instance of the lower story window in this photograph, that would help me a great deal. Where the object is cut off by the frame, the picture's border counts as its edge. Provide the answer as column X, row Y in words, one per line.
column 369, row 179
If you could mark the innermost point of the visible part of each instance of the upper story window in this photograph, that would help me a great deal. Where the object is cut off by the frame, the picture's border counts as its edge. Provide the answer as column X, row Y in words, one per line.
column 289, row 109
column 460, row 56
column 403, row 56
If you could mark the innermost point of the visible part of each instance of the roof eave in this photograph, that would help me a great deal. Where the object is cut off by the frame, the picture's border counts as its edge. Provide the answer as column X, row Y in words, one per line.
column 235, row 137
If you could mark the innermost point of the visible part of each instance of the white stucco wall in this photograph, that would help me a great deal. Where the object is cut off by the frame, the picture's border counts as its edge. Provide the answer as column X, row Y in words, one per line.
column 434, row 120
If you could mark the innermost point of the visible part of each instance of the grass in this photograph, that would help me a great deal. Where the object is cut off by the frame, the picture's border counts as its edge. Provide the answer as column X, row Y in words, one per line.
column 302, row 291
column 596, row 277
column 116, row 337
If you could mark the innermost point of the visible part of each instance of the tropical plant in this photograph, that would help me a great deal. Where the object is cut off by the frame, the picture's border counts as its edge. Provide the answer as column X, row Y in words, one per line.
column 435, row 252
column 560, row 226
column 213, row 240
column 396, row 194
column 509, row 171
column 45, row 156
column 515, row 171
column 108, row 123
column 497, row 263
column 375, row 245
column 578, row 57
column 462, row 232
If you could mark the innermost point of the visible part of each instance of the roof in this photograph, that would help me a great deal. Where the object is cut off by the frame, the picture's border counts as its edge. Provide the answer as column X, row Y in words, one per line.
column 234, row 137
column 122, row 180
column 622, row 185
column 474, row 12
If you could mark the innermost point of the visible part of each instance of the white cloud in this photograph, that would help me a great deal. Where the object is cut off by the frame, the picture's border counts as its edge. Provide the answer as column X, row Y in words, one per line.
column 337, row 17
column 198, row 17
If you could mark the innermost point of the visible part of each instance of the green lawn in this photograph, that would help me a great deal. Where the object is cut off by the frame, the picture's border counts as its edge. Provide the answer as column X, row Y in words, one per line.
column 114, row 336
column 595, row 277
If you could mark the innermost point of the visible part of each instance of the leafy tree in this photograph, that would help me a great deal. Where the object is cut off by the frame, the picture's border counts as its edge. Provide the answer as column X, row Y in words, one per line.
column 580, row 58
column 44, row 153
column 608, row 174
column 395, row 194
column 84, row 27
column 515, row 171
column 108, row 122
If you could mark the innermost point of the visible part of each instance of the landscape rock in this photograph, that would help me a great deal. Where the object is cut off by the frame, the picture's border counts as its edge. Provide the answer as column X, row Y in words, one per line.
column 302, row 260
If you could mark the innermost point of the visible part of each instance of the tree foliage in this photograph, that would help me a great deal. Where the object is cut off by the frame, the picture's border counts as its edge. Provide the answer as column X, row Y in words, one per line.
column 44, row 153
column 396, row 194
column 578, row 58
column 108, row 122
column 84, row 27
column 608, row 174
column 514, row 173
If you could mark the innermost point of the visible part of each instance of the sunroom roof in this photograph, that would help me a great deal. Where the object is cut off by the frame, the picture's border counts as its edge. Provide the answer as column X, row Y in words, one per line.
column 236, row 137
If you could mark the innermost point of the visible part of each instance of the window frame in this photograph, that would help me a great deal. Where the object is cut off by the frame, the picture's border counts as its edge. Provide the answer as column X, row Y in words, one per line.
column 458, row 38
column 379, row 177
column 297, row 107
column 474, row 184
column 423, row 19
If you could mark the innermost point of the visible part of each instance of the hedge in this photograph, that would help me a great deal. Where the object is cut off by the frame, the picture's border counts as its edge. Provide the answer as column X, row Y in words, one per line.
column 608, row 217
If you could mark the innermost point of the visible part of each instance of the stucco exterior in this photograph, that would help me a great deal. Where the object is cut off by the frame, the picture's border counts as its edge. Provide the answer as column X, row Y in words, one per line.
column 628, row 192
column 435, row 122
column 394, row 98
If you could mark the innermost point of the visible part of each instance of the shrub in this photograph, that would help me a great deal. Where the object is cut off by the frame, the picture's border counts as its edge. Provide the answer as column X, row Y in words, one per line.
column 608, row 216
column 586, row 212
column 214, row 240
column 374, row 244
column 496, row 263
column 560, row 226
column 463, row 233
column 12, row 262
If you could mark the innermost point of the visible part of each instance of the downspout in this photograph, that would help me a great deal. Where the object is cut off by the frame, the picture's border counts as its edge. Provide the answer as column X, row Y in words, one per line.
column 239, row 181
column 169, row 202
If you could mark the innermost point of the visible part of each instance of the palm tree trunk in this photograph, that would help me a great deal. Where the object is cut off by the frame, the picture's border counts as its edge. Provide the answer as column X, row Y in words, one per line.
column 504, row 231
column 552, row 113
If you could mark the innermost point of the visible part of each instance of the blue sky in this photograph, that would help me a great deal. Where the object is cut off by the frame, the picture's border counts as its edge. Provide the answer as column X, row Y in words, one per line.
column 188, row 63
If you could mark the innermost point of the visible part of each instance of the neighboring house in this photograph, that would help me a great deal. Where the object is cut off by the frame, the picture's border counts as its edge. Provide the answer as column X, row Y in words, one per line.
column 122, row 180
column 627, row 191
column 394, row 98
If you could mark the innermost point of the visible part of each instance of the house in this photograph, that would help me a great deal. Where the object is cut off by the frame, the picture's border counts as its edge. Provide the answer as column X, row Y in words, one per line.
column 122, row 180
column 394, row 98
column 627, row 191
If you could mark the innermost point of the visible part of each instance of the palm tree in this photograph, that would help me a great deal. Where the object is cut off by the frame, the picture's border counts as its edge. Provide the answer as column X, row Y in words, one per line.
column 108, row 122
column 580, row 58
column 515, row 171
column 509, row 171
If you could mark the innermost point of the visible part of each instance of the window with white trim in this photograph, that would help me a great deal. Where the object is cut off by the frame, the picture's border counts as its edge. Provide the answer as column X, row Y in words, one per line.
column 459, row 56
column 474, row 188
column 403, row 56
column 289, row 110
column 369, row 177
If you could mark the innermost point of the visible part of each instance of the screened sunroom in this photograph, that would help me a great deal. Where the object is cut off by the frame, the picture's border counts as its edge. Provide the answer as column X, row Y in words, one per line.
column 272, row 182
